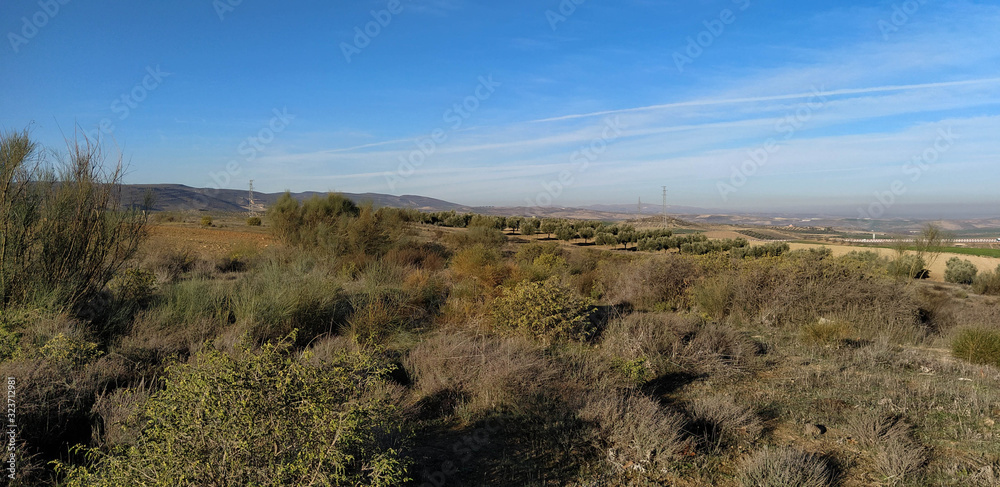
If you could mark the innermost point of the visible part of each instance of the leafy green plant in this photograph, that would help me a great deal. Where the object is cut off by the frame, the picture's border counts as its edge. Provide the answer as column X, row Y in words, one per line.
column 263, row 417
column 545, row 310
column 960, row 271
column 206, row 221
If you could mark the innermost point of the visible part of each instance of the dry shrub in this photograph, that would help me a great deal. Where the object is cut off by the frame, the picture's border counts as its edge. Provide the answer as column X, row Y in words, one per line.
column 898, row 460
column 717, row 348
column 799, row 289
column 481, row 264
column 168, row 264
column 871, row 427
column 714, row 296
column 655, row 338
column 115, row 411
column 427, row 256
column 897, row 455
column 635, row 431
column 721, row 421
column 826, row 332
column 492, row 372
column 650, row 282
column 987, row 282
column 783, row 467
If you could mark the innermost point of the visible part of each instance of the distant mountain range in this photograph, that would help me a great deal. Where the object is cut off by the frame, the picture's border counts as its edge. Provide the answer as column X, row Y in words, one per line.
column 177, row 197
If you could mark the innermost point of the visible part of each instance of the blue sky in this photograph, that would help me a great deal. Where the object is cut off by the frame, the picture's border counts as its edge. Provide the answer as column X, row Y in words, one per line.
column 870, row 108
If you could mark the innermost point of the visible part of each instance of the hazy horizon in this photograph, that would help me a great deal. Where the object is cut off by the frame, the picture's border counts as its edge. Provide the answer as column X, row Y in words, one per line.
column 883, row 111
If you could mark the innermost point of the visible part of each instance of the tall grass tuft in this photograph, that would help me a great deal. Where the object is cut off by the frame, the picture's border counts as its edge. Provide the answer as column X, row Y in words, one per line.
column 978, row 345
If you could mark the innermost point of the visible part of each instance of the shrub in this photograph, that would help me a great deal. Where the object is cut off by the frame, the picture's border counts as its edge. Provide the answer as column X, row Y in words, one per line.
column 333, row 224
column 481, row 264
column 63, row 234
column 635, row 430
column 648, row 282
column 721, row 421
column 206, row 221
column 978, row 345
column 783, row 467
column 909, row 267
column 545, row 310
column 655, row 339
column 987, row 283
column 960, row 271
column 484, row 236
column 254, row 221
column 259, row 418
column 490, row 372
column 134, row 286
column 826, row 332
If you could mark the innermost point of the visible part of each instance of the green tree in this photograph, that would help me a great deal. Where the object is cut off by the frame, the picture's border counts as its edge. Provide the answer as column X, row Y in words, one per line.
column 587, row 233
column 605, row 239
column 565, row 232
column 548, row 227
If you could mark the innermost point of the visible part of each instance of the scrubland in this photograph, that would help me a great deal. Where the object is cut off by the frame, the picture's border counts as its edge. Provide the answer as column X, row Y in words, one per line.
column 369, row 346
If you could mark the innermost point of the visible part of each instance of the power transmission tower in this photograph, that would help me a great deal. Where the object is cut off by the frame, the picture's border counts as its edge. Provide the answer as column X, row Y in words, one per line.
column 638, row 210
column 664, row 206
column 252, row 205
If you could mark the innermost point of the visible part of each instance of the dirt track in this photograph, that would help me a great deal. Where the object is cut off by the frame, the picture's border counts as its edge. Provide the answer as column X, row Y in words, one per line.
column 937, row 267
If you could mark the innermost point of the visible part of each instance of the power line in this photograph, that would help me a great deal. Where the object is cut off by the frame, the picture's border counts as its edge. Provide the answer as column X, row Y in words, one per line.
column 664, row 206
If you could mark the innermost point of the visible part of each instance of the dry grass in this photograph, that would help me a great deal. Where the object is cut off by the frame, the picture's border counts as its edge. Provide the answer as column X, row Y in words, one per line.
column 782, row 467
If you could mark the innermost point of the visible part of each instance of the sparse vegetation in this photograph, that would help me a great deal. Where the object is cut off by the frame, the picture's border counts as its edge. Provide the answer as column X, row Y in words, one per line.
column 384, row 344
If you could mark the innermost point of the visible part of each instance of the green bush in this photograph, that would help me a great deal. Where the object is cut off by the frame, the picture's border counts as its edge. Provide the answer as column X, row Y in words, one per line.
column 63, row 235
column 909, row 267
column 254, row 221
column 978, row 345
column 960, row 271
column 987, row 283
column 261, row 418
column 206, row 221
column 545, row 310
